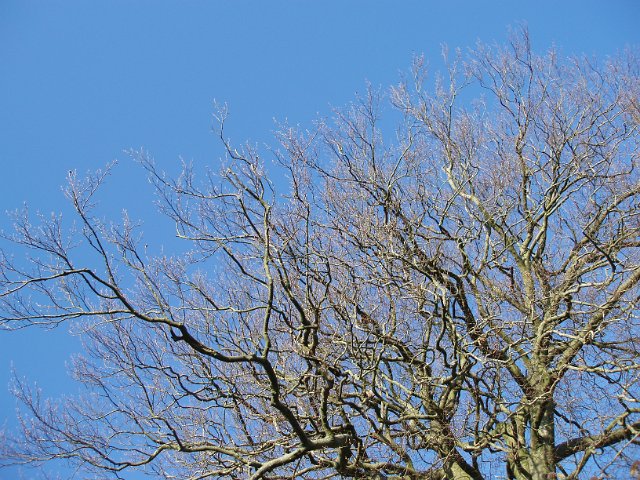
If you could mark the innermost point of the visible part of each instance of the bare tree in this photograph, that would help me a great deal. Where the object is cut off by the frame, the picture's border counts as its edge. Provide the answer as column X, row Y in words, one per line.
column 459, row 303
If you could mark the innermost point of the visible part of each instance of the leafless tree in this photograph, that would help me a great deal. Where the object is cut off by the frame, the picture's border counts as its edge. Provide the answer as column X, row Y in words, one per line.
column 461, row 302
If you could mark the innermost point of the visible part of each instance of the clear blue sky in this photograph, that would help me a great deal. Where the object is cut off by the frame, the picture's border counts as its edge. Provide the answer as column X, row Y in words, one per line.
column 80, row 81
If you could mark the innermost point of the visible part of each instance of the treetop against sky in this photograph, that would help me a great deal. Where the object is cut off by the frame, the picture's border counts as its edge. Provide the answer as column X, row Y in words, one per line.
column 81, row 83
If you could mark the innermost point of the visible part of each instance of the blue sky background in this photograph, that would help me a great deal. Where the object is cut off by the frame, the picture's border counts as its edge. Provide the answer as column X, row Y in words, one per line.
column 81, row 81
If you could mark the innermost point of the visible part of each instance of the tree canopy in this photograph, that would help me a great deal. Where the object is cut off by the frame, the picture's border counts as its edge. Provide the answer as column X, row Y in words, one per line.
column 453, row 297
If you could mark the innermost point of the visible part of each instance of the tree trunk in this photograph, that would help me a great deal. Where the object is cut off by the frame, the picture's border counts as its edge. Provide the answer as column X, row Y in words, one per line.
column 542, row 441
